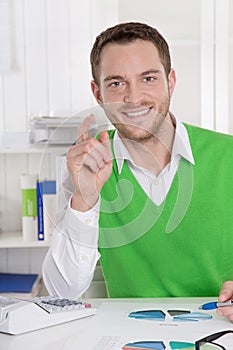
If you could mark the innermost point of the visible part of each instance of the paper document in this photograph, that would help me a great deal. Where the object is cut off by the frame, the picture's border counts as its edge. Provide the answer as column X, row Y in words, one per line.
column 112, row 328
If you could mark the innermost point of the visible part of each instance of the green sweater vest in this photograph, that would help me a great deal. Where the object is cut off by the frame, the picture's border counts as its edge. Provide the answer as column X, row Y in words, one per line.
column 182, row 248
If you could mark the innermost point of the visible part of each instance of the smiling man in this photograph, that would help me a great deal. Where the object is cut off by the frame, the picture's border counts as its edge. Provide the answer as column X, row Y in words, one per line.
column 139, row 87
column 152, row 198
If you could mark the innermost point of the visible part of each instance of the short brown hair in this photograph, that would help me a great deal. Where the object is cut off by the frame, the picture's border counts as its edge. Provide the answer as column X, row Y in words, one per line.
column 128, row 32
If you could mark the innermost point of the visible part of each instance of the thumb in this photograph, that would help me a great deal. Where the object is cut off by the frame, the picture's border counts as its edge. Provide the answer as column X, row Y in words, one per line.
column 226, row 292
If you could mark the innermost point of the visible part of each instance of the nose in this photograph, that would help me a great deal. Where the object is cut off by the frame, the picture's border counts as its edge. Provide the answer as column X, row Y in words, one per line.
column 133, row 94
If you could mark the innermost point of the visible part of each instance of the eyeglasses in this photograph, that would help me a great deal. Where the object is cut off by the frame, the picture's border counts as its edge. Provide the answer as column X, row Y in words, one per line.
column 207, row 343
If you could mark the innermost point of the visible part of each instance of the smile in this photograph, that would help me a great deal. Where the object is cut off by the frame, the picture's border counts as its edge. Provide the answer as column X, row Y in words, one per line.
column 137, row 113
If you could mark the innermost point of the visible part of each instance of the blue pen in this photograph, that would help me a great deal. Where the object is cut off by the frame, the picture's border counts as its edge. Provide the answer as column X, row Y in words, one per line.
column 215, row 304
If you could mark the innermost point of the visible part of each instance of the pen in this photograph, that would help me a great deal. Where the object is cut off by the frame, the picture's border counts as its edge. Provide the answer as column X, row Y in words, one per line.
column 215, row 304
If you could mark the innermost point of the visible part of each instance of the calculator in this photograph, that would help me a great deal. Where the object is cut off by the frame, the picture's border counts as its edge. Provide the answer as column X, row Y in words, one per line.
column 24, row 315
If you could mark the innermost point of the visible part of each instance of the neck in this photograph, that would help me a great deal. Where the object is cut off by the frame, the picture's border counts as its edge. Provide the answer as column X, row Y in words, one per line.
column 155, row 153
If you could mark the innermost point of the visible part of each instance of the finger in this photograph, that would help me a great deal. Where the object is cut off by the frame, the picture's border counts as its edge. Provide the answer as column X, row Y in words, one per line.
column 93, row 164
column 225, row 312
column 92, row 160
column 226, row 292
column 83, row 129
column 92, row 147
column 75, row 165
column 87, row 153
column 105, row 141
column 99, row 149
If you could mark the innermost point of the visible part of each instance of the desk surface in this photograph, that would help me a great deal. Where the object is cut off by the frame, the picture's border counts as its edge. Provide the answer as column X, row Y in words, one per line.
column 111, row 328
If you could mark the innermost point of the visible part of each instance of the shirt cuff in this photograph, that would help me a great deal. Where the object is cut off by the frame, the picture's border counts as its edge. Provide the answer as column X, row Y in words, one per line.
column 83, row 227
column 89, row 217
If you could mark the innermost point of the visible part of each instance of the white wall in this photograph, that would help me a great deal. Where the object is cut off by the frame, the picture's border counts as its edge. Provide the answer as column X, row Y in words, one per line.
column 51, row 42
column 50, row 74
column 200, row 35
column 179, row 22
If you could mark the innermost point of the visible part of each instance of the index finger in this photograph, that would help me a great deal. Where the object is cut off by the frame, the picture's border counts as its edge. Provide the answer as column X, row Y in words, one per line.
column 83, row 129
column 226, row 292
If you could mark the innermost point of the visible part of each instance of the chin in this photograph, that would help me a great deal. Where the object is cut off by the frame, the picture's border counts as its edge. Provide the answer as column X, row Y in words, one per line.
column 134, row 133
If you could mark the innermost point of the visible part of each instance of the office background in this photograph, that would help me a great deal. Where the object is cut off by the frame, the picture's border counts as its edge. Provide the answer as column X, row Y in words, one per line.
column 50, row 73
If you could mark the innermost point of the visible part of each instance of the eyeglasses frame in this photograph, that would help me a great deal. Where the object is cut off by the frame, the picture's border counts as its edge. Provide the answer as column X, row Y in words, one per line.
column 210, row 339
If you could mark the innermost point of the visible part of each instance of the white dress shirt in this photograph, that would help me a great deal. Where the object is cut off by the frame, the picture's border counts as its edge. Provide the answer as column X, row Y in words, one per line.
column 70, row 262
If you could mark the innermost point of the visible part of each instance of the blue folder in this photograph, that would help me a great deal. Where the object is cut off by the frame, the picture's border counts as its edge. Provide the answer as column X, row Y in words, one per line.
column 17, row 282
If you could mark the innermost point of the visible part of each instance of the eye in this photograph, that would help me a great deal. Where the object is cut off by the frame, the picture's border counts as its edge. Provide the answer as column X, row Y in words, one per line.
column 115, row 84
column 149, row 79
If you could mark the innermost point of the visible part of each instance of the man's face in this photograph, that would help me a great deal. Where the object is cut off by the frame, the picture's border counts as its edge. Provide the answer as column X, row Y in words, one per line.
column 133, row 89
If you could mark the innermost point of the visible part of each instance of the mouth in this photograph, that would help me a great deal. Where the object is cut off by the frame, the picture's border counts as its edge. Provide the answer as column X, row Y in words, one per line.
column 137, row 113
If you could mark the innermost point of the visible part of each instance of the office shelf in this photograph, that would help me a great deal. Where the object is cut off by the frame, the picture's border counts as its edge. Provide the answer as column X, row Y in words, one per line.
column 35, row 149
column 15, row 240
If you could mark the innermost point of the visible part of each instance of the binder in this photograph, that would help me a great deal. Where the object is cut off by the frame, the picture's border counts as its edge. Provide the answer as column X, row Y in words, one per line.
column 29, row 206
column 49, row 207
column 20, row 283
column 40, row 210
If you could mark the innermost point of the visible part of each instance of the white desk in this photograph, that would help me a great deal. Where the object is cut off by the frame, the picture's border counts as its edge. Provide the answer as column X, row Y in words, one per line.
column 111, row 323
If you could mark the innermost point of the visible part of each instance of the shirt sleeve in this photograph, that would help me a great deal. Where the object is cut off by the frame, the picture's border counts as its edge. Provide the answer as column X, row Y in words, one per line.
column 70, row 262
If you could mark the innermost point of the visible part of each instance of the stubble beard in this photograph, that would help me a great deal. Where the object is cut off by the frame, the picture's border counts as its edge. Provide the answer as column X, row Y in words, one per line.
column 144, row 134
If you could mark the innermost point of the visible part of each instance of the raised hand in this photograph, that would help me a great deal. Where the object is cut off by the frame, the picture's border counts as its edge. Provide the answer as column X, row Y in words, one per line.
column 89, row 162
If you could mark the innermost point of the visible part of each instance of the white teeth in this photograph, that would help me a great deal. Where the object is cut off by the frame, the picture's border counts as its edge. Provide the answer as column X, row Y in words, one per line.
column 136, row 114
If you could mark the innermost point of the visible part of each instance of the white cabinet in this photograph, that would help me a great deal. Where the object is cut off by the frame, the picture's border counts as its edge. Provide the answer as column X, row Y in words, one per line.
column 15, row 240
column 16, row 255
column 39, row 160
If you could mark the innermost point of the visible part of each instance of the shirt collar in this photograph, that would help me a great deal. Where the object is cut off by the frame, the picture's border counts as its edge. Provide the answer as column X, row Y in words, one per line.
column 181, row 146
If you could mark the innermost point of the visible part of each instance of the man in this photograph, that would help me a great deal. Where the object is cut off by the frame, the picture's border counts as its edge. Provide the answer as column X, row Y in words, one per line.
column 153, row 199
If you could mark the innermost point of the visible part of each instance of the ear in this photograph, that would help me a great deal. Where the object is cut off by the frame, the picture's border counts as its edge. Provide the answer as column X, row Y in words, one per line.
column 171, row 81
column 96, row 92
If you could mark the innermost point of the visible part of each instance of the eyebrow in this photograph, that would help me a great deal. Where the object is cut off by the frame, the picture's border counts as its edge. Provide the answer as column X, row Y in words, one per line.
column 150, row 71
column 114, row 77
column 119, row 77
